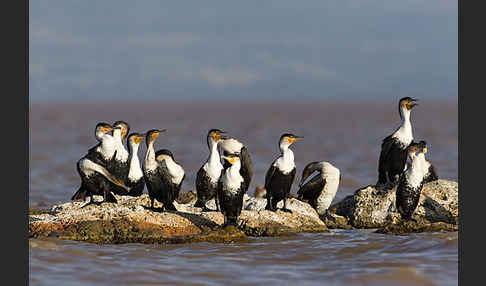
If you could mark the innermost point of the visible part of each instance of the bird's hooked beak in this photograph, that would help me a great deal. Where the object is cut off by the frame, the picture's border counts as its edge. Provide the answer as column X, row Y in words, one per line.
column 218, row 136
column 412, row 103
column 295, row 139
column 157, row 134
column 108, row 129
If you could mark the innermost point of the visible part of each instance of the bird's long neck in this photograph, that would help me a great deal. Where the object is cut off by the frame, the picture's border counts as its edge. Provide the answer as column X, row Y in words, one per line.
column 107, row 146
column 150, row 163
column 287, row 154
column 233, row 172
column 404, row 132
column 122, row 154
column 214, row 159
column 405, row 116
column 135, row 171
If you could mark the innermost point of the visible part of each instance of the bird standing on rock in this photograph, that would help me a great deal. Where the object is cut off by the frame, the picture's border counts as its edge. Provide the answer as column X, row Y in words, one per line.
column 393, row 155
column 230, row 191
column 134, row 179
column 208, row 175
column 151, row 173
column 281, row 174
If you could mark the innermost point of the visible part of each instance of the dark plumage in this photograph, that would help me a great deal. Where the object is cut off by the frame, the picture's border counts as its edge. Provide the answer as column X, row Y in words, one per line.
column 281, row 174
column 393, row 155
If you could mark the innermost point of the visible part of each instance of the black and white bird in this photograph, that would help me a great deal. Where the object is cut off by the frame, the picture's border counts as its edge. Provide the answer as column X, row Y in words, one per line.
column 172, row 175
column 208, row 175
column 235, row 147
column 151, row 173
column 134, row 180
column 119, row 165
column 281, row 174
column 230, row 191
column 393, row 155
column 431, row 174
column 95, row 178
column 411, row 181
column 320, row 189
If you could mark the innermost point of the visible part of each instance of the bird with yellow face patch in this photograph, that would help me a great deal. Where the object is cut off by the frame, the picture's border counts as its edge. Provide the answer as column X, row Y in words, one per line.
column 208, row 175
column 150, row 166
column 134, row 179
column 393, row 155
column 231, row 189
column 233, row 146
column 281, row 174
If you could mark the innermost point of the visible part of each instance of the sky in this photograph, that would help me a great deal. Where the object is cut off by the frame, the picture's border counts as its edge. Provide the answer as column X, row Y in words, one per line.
column 152, row 49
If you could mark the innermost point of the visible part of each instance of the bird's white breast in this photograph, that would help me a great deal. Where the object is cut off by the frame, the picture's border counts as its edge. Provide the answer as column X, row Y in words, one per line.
column 232, row 180
column 213, row 170
column 285, row 163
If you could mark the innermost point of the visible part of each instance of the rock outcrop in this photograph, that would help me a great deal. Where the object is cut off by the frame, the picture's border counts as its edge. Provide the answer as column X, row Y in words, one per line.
column 130, row 220
column 373, row 208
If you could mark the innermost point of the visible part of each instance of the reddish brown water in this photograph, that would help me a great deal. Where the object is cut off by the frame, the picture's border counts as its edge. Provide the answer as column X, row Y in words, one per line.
column 346, row 133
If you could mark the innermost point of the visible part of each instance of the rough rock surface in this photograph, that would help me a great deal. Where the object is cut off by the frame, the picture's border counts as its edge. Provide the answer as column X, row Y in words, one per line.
column 130, row 220
column 372, row 208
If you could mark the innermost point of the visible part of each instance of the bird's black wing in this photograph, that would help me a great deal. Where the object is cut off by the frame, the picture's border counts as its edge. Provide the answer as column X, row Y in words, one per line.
column 269, row 175
column 202, row 180
column 386, row 147
column 247, row 171
column 432, row 175
column 312, row 188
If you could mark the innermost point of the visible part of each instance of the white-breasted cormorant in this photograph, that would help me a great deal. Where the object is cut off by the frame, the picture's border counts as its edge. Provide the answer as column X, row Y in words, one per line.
column 172, row 175
column 134, row 179
column 230, row 191
column 153, row 180
column 208, row 175
column 280, row 175
column 411, row 181
column 319, row 190
column 233, row 146
column 393, row 155
column 95, row 178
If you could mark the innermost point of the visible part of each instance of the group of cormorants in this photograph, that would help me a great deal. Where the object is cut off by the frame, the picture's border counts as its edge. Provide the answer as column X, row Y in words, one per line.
column 109, row 168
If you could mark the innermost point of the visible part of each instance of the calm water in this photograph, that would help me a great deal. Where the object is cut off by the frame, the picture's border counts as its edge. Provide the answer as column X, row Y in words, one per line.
column 346, row 133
